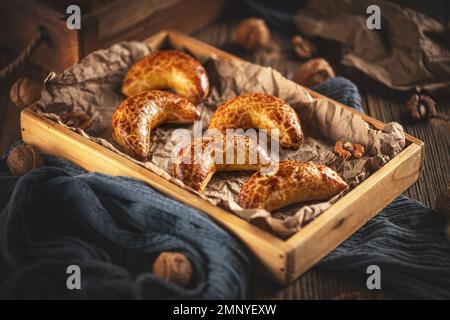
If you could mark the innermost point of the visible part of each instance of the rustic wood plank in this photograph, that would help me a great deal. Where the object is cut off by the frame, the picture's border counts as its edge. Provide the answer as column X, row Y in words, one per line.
column 102, row 24
column 144, row 23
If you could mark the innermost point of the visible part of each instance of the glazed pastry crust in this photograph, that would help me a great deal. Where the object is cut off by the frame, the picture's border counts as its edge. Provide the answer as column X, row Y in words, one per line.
column 135, row 117
column 197, row 163
column 294, row 182
column 262, row 111
column 169, row 69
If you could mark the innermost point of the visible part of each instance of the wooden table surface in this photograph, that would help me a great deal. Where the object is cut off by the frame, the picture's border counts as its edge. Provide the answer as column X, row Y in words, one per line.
column 379, row 102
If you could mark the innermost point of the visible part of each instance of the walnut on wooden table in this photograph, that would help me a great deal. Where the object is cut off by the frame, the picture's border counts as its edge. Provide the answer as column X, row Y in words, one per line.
column 421, row 106
column 313, row 72
column 252, row 33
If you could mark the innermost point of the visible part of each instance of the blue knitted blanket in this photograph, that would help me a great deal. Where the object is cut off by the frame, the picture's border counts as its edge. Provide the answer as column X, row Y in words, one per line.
column 60, row 215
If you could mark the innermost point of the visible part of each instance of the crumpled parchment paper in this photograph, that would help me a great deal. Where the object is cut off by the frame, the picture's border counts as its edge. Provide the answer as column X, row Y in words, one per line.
column 93, row 86
column 409, row 50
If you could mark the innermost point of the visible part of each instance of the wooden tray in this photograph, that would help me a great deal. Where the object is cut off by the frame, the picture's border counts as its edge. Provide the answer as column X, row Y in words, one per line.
column 283, row 260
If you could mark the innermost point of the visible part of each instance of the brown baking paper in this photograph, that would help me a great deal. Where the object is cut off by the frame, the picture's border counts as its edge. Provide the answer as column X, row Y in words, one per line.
column 93, row 86
column 410, row 50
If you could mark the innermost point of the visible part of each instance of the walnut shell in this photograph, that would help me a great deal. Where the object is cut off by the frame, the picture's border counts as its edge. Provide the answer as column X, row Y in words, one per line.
column 24, row 92
column 314, row 72
column 358, row 151
column 302, row 47
column 341, row 151
column 421, row 106
column 174, row 267
column 252, row 33
column 76, row 120
column 24, row 158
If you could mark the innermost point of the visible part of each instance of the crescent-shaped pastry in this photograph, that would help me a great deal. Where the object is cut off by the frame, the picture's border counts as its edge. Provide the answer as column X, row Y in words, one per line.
column 294, row 182
column 169, row 69
column 262, row 111
column 197, row 163
column 135, row 117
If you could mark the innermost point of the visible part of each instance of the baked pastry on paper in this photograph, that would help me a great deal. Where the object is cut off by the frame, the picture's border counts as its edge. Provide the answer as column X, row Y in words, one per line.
column 170, row 69
column 294, row 182
column 260, row 111
column 139, row 114
column 197, row 163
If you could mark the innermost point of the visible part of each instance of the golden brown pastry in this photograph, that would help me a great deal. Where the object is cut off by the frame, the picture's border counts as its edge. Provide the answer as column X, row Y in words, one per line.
column 138, row 115
column 197, row 163
column 262, row 111
column 169, row 69
column 294, row 182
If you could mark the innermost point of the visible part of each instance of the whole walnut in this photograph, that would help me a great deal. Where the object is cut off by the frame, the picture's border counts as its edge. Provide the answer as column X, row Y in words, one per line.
column 173, row 266
column 421, row 106
column 314, row 72
column 252, row 33
column 25, row 91
column 302, row 47
column 24, row 158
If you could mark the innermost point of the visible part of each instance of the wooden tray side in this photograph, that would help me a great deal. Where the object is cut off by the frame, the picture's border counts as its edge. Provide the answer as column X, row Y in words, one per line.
column 284, row 261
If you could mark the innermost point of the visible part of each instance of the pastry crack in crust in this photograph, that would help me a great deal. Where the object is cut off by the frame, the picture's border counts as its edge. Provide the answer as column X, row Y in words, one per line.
column 168, row 69
column 196, row 164
column 135, row 117
column 261, row 111
column 294, row 182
